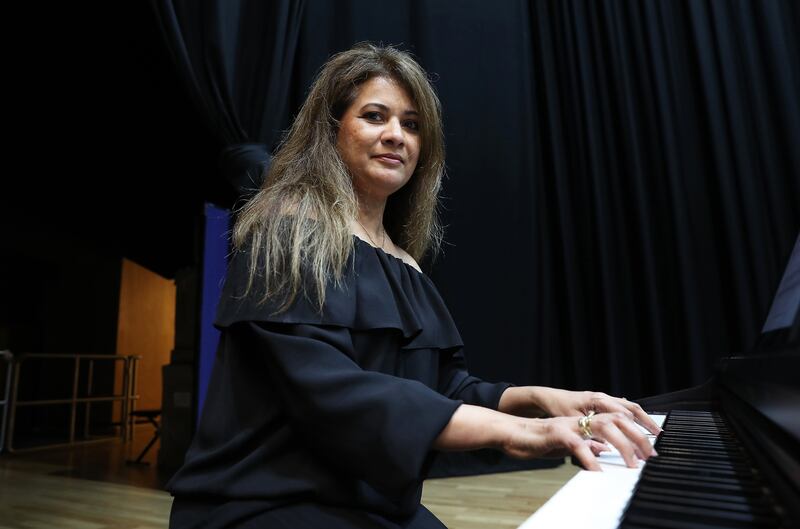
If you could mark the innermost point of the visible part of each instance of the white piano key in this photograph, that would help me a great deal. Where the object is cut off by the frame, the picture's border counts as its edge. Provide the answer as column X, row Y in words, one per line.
column 590, row 499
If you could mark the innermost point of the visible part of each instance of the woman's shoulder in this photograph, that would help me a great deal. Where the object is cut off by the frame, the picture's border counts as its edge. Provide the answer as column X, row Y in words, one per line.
column 406, row 258
column 395, row 251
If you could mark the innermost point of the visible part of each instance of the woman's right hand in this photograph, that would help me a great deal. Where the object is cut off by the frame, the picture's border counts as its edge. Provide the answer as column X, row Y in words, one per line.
column 561, row 436
column 473, row 427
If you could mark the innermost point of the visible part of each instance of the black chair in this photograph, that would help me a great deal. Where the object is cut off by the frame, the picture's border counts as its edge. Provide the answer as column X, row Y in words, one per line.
column 145, row 417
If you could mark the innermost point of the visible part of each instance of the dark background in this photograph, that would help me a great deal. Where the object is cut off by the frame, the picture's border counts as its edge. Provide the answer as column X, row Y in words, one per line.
column 623, row 177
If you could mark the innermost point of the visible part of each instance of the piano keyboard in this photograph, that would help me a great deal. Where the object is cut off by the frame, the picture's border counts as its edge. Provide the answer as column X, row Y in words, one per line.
column 700, row 479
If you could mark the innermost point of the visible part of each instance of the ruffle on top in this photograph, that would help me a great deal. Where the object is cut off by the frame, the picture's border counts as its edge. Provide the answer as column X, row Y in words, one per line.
column 378, row 291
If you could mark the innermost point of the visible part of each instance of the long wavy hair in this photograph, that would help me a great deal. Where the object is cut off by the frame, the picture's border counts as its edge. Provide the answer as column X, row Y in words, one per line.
column 298, row 225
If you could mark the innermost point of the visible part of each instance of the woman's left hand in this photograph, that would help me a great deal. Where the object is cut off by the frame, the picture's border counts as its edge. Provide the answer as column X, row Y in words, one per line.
column 533, row 400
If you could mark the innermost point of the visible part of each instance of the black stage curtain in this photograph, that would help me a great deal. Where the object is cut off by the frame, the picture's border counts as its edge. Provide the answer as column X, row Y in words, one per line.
column 624, row 176
column 235, row 59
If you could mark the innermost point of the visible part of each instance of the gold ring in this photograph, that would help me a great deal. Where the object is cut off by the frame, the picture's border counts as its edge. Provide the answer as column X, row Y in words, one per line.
column 585, row 425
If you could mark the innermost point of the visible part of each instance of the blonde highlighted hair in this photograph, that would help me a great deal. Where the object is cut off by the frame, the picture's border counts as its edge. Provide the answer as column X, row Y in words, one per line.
column 298, row 225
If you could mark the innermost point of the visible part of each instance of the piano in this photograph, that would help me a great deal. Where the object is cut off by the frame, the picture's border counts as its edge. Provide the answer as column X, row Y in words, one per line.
column 729, row 453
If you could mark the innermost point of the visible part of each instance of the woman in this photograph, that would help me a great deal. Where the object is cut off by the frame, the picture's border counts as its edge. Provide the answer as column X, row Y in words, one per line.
column 339, row 370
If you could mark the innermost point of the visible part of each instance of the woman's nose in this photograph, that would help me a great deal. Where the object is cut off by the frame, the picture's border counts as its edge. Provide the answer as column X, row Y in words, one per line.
column 393, row 132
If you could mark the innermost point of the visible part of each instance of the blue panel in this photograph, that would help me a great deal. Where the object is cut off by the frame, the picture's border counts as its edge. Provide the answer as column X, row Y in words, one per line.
column 215, row 252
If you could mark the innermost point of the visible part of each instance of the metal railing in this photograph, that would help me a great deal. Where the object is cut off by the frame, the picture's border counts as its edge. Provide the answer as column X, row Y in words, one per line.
column 128, row 397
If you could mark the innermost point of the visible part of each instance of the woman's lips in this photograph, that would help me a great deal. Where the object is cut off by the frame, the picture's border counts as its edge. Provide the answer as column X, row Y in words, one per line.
column 391, row 159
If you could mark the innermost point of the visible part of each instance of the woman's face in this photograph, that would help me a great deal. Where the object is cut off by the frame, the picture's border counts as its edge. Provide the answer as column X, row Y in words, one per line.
column 378, row 138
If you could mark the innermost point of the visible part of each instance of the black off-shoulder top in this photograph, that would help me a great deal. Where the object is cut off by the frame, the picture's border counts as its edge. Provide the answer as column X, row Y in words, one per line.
column 340, row 406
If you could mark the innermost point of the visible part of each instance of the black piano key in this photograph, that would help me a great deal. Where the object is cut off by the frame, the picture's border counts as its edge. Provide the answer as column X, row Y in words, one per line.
column 698, row 453
column 723, row 503
column 739, row 483
column 699, row 486
column 704, row 514
column 700, row 468
column 700, row 464
column 696, row 467
column 702, row 445
column 679, row 427
column 668, row 493
column 701, row 479
column 655, row 522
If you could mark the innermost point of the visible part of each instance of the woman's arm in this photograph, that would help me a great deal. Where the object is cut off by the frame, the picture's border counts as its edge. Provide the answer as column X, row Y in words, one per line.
column 456, row 383
column 474, row 427
column 368, row 425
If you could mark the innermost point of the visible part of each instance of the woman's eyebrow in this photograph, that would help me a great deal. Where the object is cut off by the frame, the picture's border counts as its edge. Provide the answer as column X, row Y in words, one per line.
column 409, row 112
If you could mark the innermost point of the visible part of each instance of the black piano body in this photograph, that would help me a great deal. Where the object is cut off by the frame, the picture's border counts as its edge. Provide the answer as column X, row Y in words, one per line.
column 730, row 452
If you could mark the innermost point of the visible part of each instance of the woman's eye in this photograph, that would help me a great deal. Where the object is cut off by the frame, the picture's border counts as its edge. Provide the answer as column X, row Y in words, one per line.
column 373, row 116
column 411, row 124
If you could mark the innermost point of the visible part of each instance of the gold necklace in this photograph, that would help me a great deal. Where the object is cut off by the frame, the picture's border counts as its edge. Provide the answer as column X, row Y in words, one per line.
column 383, row 239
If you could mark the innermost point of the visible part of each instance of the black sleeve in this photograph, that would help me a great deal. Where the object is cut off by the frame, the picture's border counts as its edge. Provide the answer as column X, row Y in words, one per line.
column 374, row 426
column 456, row 383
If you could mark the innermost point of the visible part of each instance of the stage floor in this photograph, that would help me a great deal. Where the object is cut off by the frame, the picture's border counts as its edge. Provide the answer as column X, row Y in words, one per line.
column 91, row 487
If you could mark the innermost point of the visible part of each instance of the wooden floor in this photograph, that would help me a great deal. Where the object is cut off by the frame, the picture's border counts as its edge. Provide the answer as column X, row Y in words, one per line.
column 84, row 487
column 494, row 500
column 92, row 488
